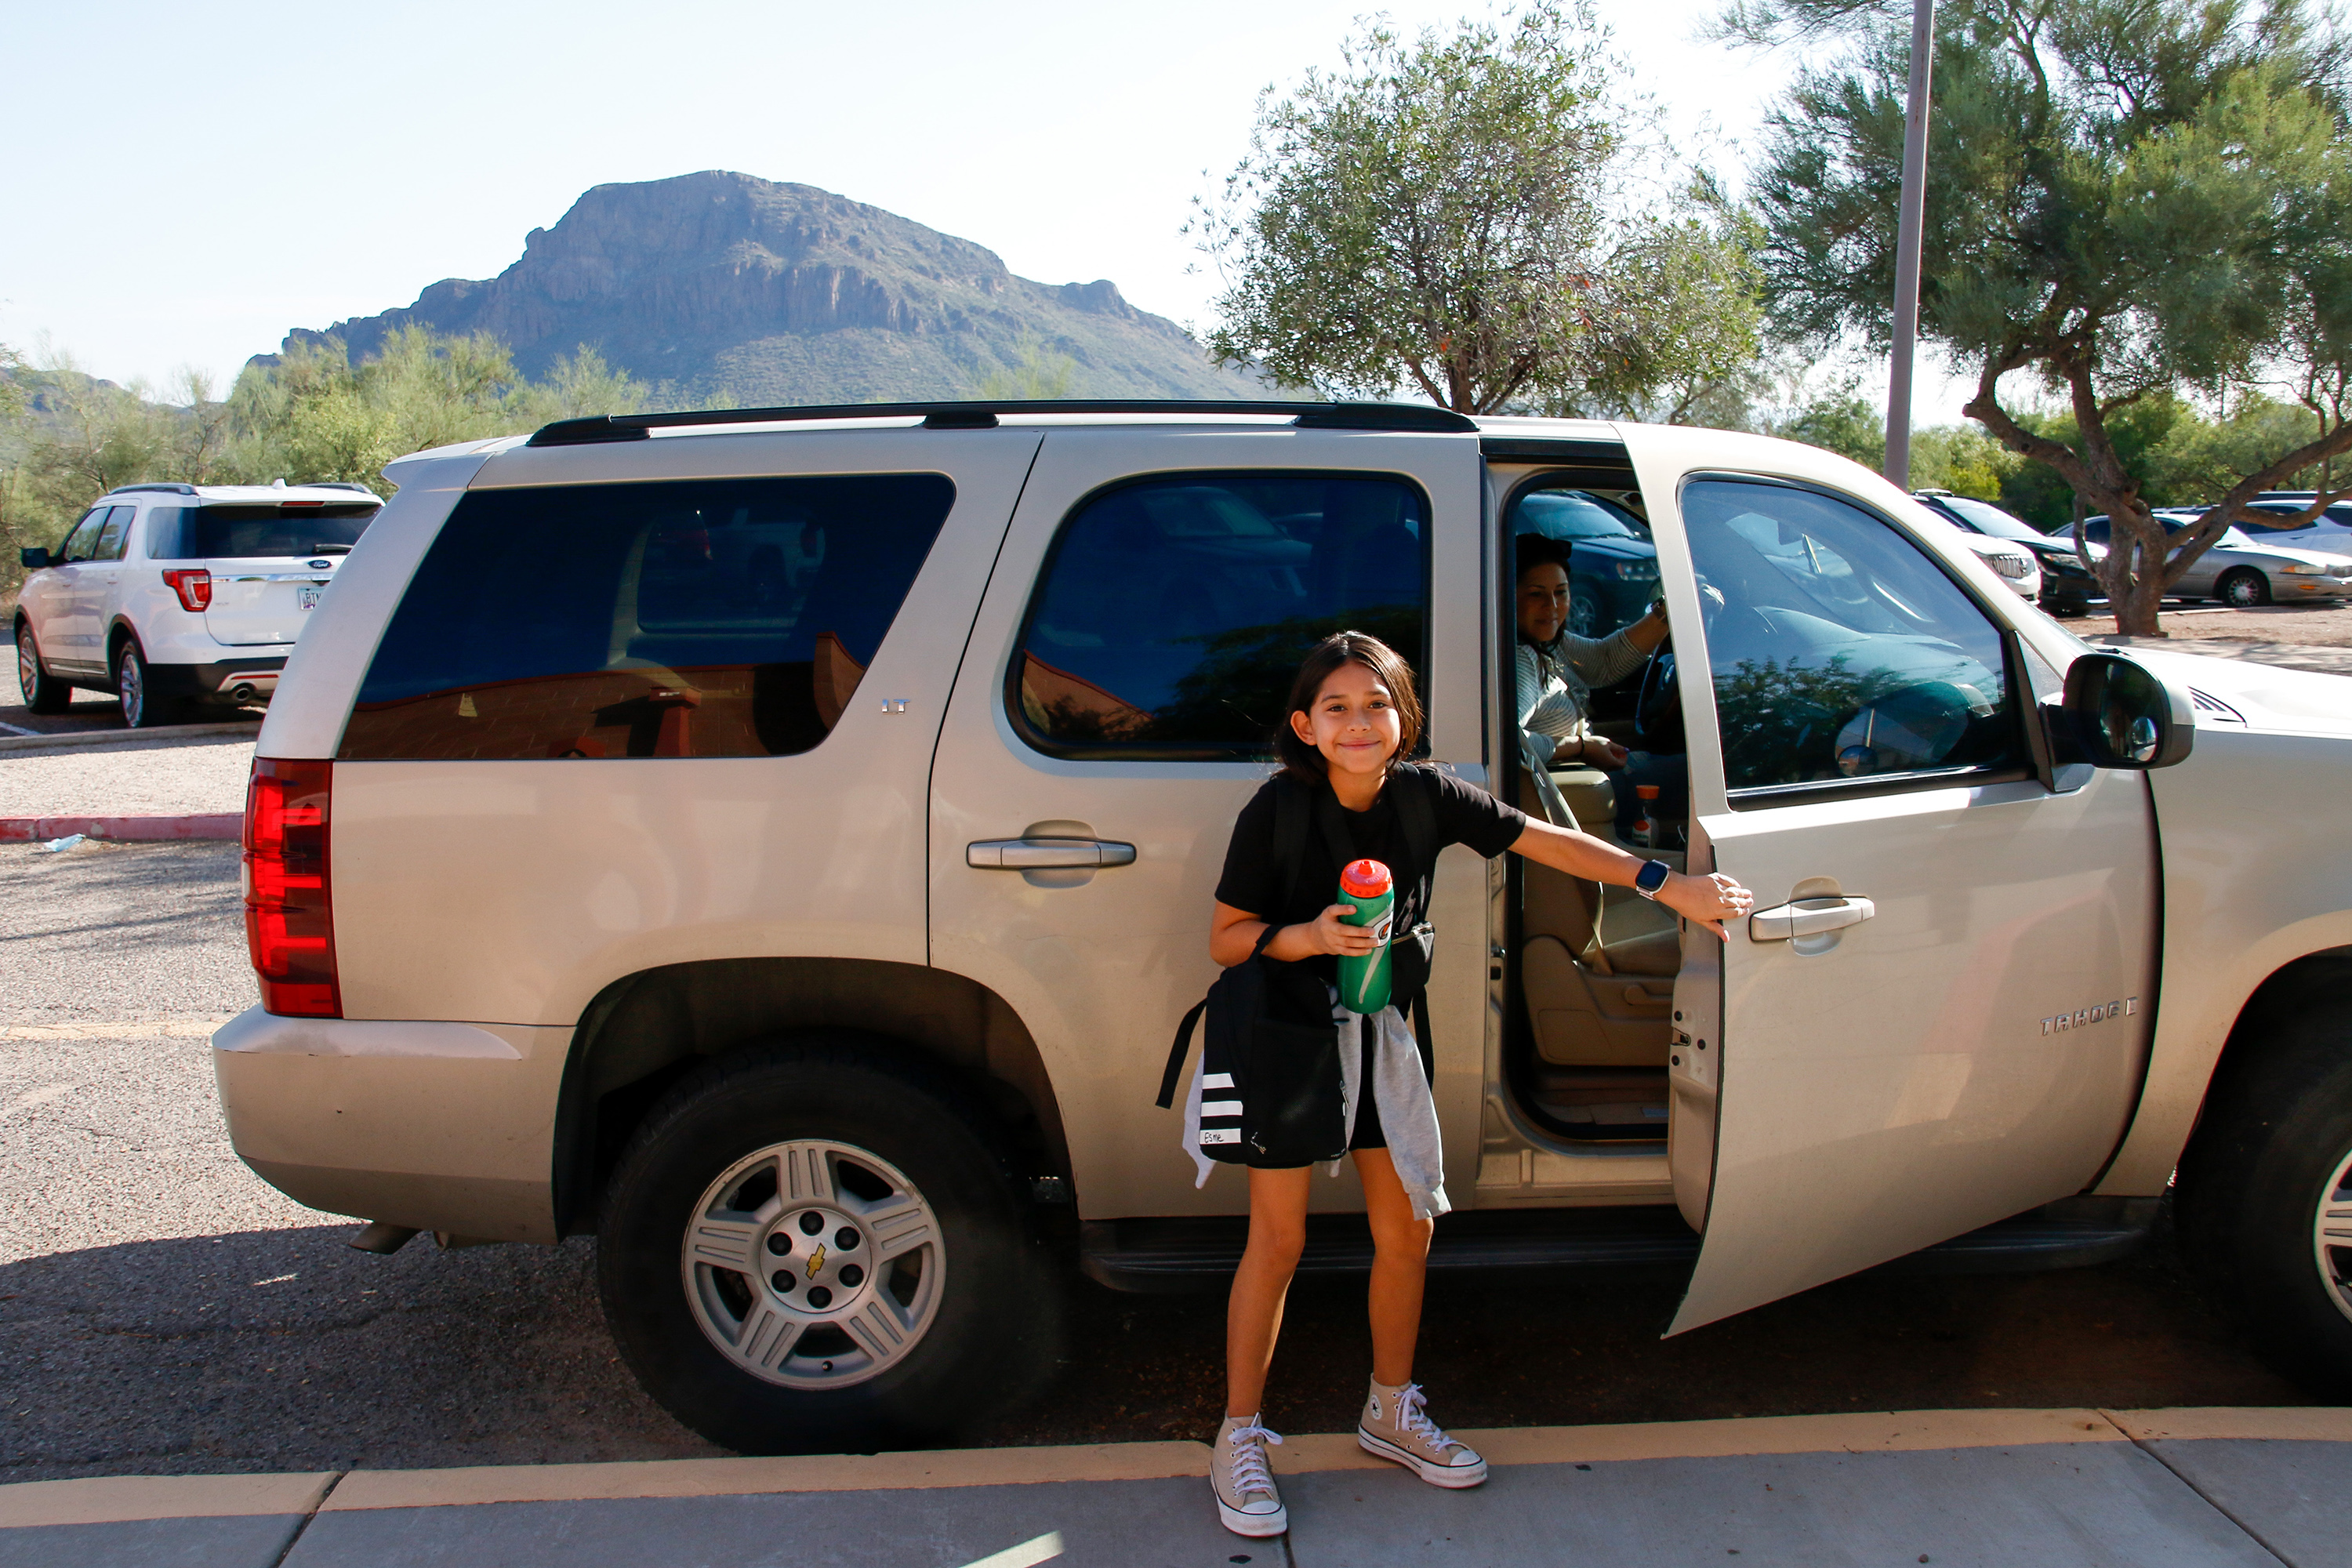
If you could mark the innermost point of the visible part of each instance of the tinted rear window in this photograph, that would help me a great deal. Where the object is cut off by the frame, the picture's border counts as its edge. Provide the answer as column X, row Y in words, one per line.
column 706, row 618
column 244, row 532
column 1175, row 611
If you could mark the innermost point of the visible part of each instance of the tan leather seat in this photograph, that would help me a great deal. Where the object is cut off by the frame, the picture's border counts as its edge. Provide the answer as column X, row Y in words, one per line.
column 1597, row 970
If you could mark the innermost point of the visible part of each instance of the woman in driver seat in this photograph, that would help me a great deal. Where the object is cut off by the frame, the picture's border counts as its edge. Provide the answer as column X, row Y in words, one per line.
column 1558, row 669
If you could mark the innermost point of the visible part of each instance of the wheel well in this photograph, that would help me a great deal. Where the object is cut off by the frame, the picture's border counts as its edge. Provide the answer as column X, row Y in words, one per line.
column 646, row 1031
column 117, row 634
column 2314, row 980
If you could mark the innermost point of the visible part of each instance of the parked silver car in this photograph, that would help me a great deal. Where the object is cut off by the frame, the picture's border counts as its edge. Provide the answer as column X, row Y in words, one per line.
column 2237, row 571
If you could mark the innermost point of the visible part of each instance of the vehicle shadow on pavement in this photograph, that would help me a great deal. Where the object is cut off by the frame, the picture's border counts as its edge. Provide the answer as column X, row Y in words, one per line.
column 284, row 1350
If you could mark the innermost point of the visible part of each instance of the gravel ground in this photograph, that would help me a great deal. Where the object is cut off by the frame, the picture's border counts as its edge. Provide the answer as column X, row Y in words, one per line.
column 163, row 1310
column 133, row 778
column 2307, row 626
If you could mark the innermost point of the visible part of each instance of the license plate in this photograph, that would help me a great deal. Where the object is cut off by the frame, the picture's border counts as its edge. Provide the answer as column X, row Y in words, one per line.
column 310, row 593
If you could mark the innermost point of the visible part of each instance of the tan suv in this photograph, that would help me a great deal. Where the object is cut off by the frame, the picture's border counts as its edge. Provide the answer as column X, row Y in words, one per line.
column 782, row 841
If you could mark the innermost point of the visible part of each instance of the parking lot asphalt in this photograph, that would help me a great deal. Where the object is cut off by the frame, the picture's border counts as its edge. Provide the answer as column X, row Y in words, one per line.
column 163, row 1311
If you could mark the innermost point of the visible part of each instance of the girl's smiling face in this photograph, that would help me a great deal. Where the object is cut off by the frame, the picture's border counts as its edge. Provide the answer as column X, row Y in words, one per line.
column 1353, row 723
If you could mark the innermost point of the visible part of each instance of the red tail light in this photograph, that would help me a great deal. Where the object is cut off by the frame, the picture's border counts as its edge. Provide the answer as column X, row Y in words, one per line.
column 192, row 583
column 290, row 925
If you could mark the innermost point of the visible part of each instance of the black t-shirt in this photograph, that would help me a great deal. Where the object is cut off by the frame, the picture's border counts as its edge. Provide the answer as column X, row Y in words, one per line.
column 1251, row 882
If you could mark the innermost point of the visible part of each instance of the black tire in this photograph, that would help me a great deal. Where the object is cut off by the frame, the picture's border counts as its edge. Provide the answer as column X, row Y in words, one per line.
column 134, row 683
column 2269, row 1155
column 2065, row 608
column 991, row 1336
column 2242, row 588
column 43, row 693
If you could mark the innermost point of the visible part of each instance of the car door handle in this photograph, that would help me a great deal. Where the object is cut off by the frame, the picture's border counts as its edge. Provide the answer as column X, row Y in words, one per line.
column 1808, row 917
column 1046, row 853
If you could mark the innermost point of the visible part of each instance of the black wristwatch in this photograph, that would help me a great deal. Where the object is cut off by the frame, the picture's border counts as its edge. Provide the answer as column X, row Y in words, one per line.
column 1652, row 878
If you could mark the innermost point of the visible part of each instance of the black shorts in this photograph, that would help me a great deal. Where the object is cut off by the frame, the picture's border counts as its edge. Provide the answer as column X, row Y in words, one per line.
column 1368, row 1134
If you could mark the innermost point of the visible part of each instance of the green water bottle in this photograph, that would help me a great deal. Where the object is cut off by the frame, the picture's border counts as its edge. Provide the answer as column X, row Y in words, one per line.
column 1364, row 982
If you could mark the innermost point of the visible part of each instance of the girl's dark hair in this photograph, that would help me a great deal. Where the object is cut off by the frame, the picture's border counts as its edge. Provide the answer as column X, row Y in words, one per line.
column 1535, row 550
column 1303, row 761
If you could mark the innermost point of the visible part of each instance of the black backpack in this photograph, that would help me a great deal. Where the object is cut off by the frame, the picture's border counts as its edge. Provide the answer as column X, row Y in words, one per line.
column 1270, row 1093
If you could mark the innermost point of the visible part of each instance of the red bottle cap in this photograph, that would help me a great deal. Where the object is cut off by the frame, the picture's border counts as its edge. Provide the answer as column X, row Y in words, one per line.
column 1647, row 792
column 1364, row 880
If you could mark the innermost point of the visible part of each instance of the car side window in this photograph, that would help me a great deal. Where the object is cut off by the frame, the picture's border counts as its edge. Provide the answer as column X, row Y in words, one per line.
column 1836, row 646
column 1172, row 611
column 701, row 618
column 84, row 537
column 114, row 534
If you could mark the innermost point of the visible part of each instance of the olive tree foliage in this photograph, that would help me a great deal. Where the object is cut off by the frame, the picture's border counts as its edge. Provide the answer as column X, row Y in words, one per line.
column 313, row 415
column 67, row 438
column 2126, row 200
column 1449, row 213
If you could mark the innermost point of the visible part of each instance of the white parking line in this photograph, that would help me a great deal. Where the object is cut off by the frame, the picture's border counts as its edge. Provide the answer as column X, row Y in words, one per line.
column 1028, row 1555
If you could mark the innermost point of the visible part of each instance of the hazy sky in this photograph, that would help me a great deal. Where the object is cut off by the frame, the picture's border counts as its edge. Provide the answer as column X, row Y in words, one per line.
column 191, row 181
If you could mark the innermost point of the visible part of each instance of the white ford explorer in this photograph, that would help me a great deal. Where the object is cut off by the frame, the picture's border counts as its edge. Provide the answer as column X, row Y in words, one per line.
column 780, row 842
column 180, row 597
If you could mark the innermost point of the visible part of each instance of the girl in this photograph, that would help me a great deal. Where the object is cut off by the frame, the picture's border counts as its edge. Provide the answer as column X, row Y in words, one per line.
column 1352, row 715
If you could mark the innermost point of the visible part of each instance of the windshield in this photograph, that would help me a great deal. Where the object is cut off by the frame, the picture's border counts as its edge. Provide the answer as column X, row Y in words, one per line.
column 1987, row 518
column 1577, row 514
column 244, row 532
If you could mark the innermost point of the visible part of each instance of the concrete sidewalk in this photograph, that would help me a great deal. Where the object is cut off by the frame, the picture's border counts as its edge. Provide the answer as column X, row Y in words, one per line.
column 1996, row 1488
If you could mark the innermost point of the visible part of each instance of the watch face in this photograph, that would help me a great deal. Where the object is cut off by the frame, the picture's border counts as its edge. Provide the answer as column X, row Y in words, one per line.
column 1653, row 876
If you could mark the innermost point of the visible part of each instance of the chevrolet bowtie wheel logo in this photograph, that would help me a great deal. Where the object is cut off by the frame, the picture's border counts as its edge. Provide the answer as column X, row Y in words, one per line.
column 816, row 1260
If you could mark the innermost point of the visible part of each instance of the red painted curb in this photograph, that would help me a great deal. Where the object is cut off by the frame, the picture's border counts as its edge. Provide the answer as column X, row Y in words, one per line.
column 229, row 825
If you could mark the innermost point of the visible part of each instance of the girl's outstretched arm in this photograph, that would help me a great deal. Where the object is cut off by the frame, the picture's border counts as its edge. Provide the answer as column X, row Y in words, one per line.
column 1709, row 900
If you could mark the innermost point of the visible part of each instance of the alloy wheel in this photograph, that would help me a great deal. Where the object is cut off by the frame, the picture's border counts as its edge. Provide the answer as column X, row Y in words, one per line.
column 2331, row 1235
column 131, row 685
column 2245, row 590
column 814, row 1265
column 29, row 665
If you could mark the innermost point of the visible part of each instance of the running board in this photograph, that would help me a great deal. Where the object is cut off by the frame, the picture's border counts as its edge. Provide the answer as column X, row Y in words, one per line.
column 1159, row 1257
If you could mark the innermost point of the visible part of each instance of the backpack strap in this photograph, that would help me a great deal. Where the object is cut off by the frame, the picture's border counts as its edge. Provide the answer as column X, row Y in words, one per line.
column 1292, row 807
column 1176, row 1054
column 1416, row 809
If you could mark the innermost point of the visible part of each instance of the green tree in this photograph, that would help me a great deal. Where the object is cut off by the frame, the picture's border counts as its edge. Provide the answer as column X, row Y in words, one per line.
column 2126, row 200
column 1843, row 422
column 1035, row 373
column 1437, row 214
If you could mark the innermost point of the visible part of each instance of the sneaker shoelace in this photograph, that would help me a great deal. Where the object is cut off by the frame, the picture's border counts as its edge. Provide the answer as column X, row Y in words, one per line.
column 1413, row 1420
column 1247, row 1464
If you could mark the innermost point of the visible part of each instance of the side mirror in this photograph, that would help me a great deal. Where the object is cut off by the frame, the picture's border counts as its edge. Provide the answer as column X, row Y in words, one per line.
column 34, row 558
column 2123, row 716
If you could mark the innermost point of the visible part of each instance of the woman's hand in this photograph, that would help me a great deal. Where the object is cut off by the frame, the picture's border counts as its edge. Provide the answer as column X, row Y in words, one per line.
column 1327, row 933
column 1599, row 751
column 1710, row 899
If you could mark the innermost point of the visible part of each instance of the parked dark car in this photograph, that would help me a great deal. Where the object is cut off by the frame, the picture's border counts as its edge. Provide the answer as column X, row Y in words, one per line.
column 2067, row 588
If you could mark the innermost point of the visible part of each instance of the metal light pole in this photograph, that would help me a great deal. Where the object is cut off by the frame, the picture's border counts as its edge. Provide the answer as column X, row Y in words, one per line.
column 1906, row 246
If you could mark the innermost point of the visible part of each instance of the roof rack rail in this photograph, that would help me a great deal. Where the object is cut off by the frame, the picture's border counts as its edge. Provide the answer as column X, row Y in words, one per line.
column 167, row 490
column 983, row 416
column 337, row 485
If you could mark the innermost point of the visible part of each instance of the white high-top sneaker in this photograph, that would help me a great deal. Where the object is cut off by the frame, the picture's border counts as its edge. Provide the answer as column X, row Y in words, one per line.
column 1394, row 1427
column 1248, row 1502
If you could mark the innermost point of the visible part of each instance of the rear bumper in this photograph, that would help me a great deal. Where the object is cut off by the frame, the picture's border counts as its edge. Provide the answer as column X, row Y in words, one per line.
column 435, row 1126
column 217, row 680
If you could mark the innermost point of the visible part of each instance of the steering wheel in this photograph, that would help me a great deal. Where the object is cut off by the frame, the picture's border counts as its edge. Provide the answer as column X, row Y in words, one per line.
column 1658, row 708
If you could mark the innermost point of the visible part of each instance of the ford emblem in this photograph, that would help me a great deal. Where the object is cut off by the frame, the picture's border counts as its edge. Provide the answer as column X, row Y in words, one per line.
column 320, row 566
